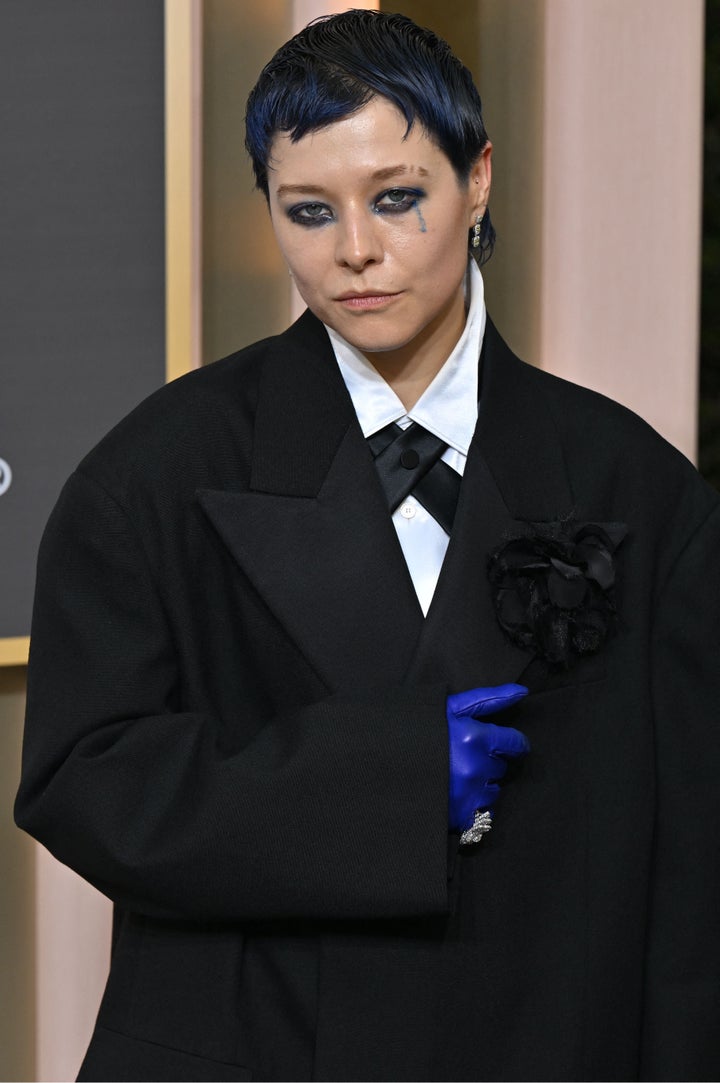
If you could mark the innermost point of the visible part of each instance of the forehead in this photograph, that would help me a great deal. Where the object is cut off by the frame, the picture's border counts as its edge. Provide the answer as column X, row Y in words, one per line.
column 370, row 142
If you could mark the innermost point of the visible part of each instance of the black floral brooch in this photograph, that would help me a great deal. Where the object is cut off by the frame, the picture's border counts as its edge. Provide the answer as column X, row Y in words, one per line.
column 554, row 588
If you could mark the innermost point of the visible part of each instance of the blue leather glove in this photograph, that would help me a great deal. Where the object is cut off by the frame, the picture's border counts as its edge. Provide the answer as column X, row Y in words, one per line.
column 478, row 750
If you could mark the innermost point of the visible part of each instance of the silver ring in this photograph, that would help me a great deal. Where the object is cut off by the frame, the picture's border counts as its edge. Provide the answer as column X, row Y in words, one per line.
column 480, row 826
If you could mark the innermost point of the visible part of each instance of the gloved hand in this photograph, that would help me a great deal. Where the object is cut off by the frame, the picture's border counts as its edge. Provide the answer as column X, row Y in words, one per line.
column 478, row 750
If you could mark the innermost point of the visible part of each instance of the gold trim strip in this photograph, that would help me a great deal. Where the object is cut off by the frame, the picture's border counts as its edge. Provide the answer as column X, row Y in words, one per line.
column 183, row 60
column 14, row 651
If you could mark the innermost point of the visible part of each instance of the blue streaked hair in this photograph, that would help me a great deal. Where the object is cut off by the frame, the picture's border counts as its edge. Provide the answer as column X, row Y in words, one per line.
column 338, row 63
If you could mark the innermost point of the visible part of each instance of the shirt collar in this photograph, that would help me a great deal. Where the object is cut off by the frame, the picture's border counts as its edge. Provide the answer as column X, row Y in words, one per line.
column 448, row 407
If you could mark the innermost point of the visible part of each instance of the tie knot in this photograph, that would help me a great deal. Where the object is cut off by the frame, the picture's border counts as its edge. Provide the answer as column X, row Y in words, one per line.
column 409, row 461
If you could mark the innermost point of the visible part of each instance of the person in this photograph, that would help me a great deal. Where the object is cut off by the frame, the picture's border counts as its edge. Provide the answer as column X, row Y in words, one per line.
column 277, row 604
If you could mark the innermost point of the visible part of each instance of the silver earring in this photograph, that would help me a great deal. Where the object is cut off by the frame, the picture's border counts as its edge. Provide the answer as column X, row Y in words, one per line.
column 476, row 231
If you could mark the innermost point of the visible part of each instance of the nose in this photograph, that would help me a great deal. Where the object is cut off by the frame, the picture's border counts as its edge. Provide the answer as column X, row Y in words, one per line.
column 358, row 240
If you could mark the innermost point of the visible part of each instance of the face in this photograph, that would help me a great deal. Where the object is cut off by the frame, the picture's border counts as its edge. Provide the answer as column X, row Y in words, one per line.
column 374, row 228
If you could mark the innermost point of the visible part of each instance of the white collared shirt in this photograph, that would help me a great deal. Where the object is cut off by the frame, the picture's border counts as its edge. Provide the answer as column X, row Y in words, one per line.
column 447, row 408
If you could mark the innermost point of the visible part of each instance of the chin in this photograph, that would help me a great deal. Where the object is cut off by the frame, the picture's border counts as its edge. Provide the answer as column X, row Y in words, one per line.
column 374, row 340
column 384, row 345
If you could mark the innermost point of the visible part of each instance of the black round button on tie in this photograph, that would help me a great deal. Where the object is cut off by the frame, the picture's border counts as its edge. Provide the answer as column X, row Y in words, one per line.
column 409, row 458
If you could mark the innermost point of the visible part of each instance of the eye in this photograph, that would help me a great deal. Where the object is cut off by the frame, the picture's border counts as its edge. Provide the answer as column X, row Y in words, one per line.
column 310, row 214
column 398, row 200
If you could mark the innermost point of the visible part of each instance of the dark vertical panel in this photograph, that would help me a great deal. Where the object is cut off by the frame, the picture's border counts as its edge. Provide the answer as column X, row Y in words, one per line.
column 82, row 249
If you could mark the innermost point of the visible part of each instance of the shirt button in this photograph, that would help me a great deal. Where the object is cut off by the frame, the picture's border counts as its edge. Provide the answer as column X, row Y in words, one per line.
column 407, row 511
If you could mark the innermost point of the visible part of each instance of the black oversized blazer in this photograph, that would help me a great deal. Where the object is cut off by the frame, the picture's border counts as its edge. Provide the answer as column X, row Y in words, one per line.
column 236, row 731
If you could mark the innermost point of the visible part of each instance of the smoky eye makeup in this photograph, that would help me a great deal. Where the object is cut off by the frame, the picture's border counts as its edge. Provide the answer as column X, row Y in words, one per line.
column 391, row 201
column 398, row 200
column 309, row 214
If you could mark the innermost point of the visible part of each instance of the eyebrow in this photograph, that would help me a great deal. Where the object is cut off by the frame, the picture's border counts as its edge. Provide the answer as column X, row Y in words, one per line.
column 386, row 173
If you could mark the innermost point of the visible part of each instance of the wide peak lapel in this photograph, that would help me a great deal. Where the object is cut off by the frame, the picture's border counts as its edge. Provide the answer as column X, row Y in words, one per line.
column 303, row 413
column 515, row 475
column 518, row 436
column 313, row 534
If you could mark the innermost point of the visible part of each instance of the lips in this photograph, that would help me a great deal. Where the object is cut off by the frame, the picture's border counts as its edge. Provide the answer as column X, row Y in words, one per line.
column 369, row 299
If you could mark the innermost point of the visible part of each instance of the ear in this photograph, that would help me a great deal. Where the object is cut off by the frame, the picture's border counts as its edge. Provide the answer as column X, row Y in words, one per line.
column 479, row 182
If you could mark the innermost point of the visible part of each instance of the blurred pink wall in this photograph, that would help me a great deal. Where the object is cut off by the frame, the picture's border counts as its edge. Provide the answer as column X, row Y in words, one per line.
column 621, row 203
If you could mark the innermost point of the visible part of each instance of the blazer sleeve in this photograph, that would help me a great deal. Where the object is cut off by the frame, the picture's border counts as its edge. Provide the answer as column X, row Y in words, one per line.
column 681, row 1036
column 337, row 810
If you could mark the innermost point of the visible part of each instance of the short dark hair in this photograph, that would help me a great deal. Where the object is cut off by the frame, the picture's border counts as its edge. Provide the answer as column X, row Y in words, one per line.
column 338, row 63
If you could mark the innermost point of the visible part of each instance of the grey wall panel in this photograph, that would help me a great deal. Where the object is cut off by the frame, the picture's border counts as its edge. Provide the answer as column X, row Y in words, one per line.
column 82, row 321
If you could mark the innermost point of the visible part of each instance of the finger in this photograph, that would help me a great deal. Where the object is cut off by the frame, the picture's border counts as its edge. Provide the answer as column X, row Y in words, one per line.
column 508, row 742
column 477, row 702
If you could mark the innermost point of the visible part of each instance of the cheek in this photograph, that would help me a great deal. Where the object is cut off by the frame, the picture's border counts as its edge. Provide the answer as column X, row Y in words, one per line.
column 305, row 256
column 307, row 277
column 440, row 255
column 439, row 239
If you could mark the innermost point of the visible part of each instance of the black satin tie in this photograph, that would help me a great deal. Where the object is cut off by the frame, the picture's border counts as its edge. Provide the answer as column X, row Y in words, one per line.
column 409, row 461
